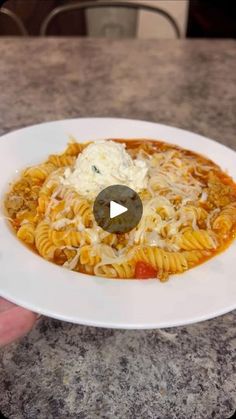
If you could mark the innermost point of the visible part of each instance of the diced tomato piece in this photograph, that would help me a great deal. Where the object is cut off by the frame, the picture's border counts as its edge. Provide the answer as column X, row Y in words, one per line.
column 144, row 271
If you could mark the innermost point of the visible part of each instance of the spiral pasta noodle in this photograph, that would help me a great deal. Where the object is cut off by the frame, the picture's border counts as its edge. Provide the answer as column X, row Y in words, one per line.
column 226, row 219
column 196, row 239
column 40, row 172
column 60, row 161
column 26, row 233
column 82, row 208
column 88, row 256
column 43, row 244
column 116, row 270
column 75, row 148
column 171, row 262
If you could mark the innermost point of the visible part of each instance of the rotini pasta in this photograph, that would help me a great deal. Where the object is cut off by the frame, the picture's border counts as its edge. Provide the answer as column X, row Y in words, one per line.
column 227, row 218
column 82, row 208
column 162, row 261
column 62, row 160
column 89, row 256
column 43, row 244
column 26, row 233
column 39, row 173
column 75, row 148
column 189, row 209
column 197, row 240
column 116, row 270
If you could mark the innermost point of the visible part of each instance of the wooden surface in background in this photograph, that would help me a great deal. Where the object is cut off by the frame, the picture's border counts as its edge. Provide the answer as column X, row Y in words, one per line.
column 33, row 12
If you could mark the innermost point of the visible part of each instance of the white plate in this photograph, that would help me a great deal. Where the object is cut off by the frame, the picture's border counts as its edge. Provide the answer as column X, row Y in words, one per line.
column 26, row 279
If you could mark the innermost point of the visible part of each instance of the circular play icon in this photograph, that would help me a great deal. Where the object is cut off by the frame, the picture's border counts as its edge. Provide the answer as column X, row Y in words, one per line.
column 118, row 209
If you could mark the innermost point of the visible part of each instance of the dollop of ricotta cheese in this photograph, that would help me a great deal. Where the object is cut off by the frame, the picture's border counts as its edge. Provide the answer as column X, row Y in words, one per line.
column 103, row 164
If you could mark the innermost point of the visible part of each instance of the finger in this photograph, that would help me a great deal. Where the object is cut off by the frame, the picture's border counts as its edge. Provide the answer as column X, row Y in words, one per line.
column 5, row 305
column 15, row 323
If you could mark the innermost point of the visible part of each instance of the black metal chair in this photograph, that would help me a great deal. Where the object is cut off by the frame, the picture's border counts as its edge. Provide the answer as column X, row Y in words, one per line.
column 107, row 5
column 15, row 19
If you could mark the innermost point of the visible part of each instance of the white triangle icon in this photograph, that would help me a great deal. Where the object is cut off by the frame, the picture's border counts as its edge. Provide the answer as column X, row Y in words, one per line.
column 116, row 209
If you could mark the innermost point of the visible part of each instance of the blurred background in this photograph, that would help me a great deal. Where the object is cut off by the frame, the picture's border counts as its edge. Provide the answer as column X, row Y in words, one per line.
column 141, row 18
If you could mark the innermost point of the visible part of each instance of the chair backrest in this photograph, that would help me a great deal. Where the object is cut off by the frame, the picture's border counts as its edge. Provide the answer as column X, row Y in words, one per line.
column 108, row 5
column 15, row 19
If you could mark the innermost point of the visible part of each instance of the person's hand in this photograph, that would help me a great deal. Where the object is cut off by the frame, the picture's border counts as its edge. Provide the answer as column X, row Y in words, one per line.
column 14, row 322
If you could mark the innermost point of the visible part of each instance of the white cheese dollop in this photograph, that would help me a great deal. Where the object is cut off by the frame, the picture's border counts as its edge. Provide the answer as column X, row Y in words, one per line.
column 103, row 164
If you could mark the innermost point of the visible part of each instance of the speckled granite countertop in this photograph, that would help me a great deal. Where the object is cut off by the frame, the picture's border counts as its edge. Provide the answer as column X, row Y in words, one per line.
column 62, row 370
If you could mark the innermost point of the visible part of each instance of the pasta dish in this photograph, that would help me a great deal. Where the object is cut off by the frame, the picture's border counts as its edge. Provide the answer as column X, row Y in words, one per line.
column 189, row 208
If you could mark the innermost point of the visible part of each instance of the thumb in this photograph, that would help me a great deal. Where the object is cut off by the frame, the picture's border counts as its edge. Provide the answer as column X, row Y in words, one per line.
column 15, row 323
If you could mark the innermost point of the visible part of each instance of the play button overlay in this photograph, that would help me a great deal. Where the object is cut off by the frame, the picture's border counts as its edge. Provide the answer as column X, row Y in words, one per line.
column 118, row 209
